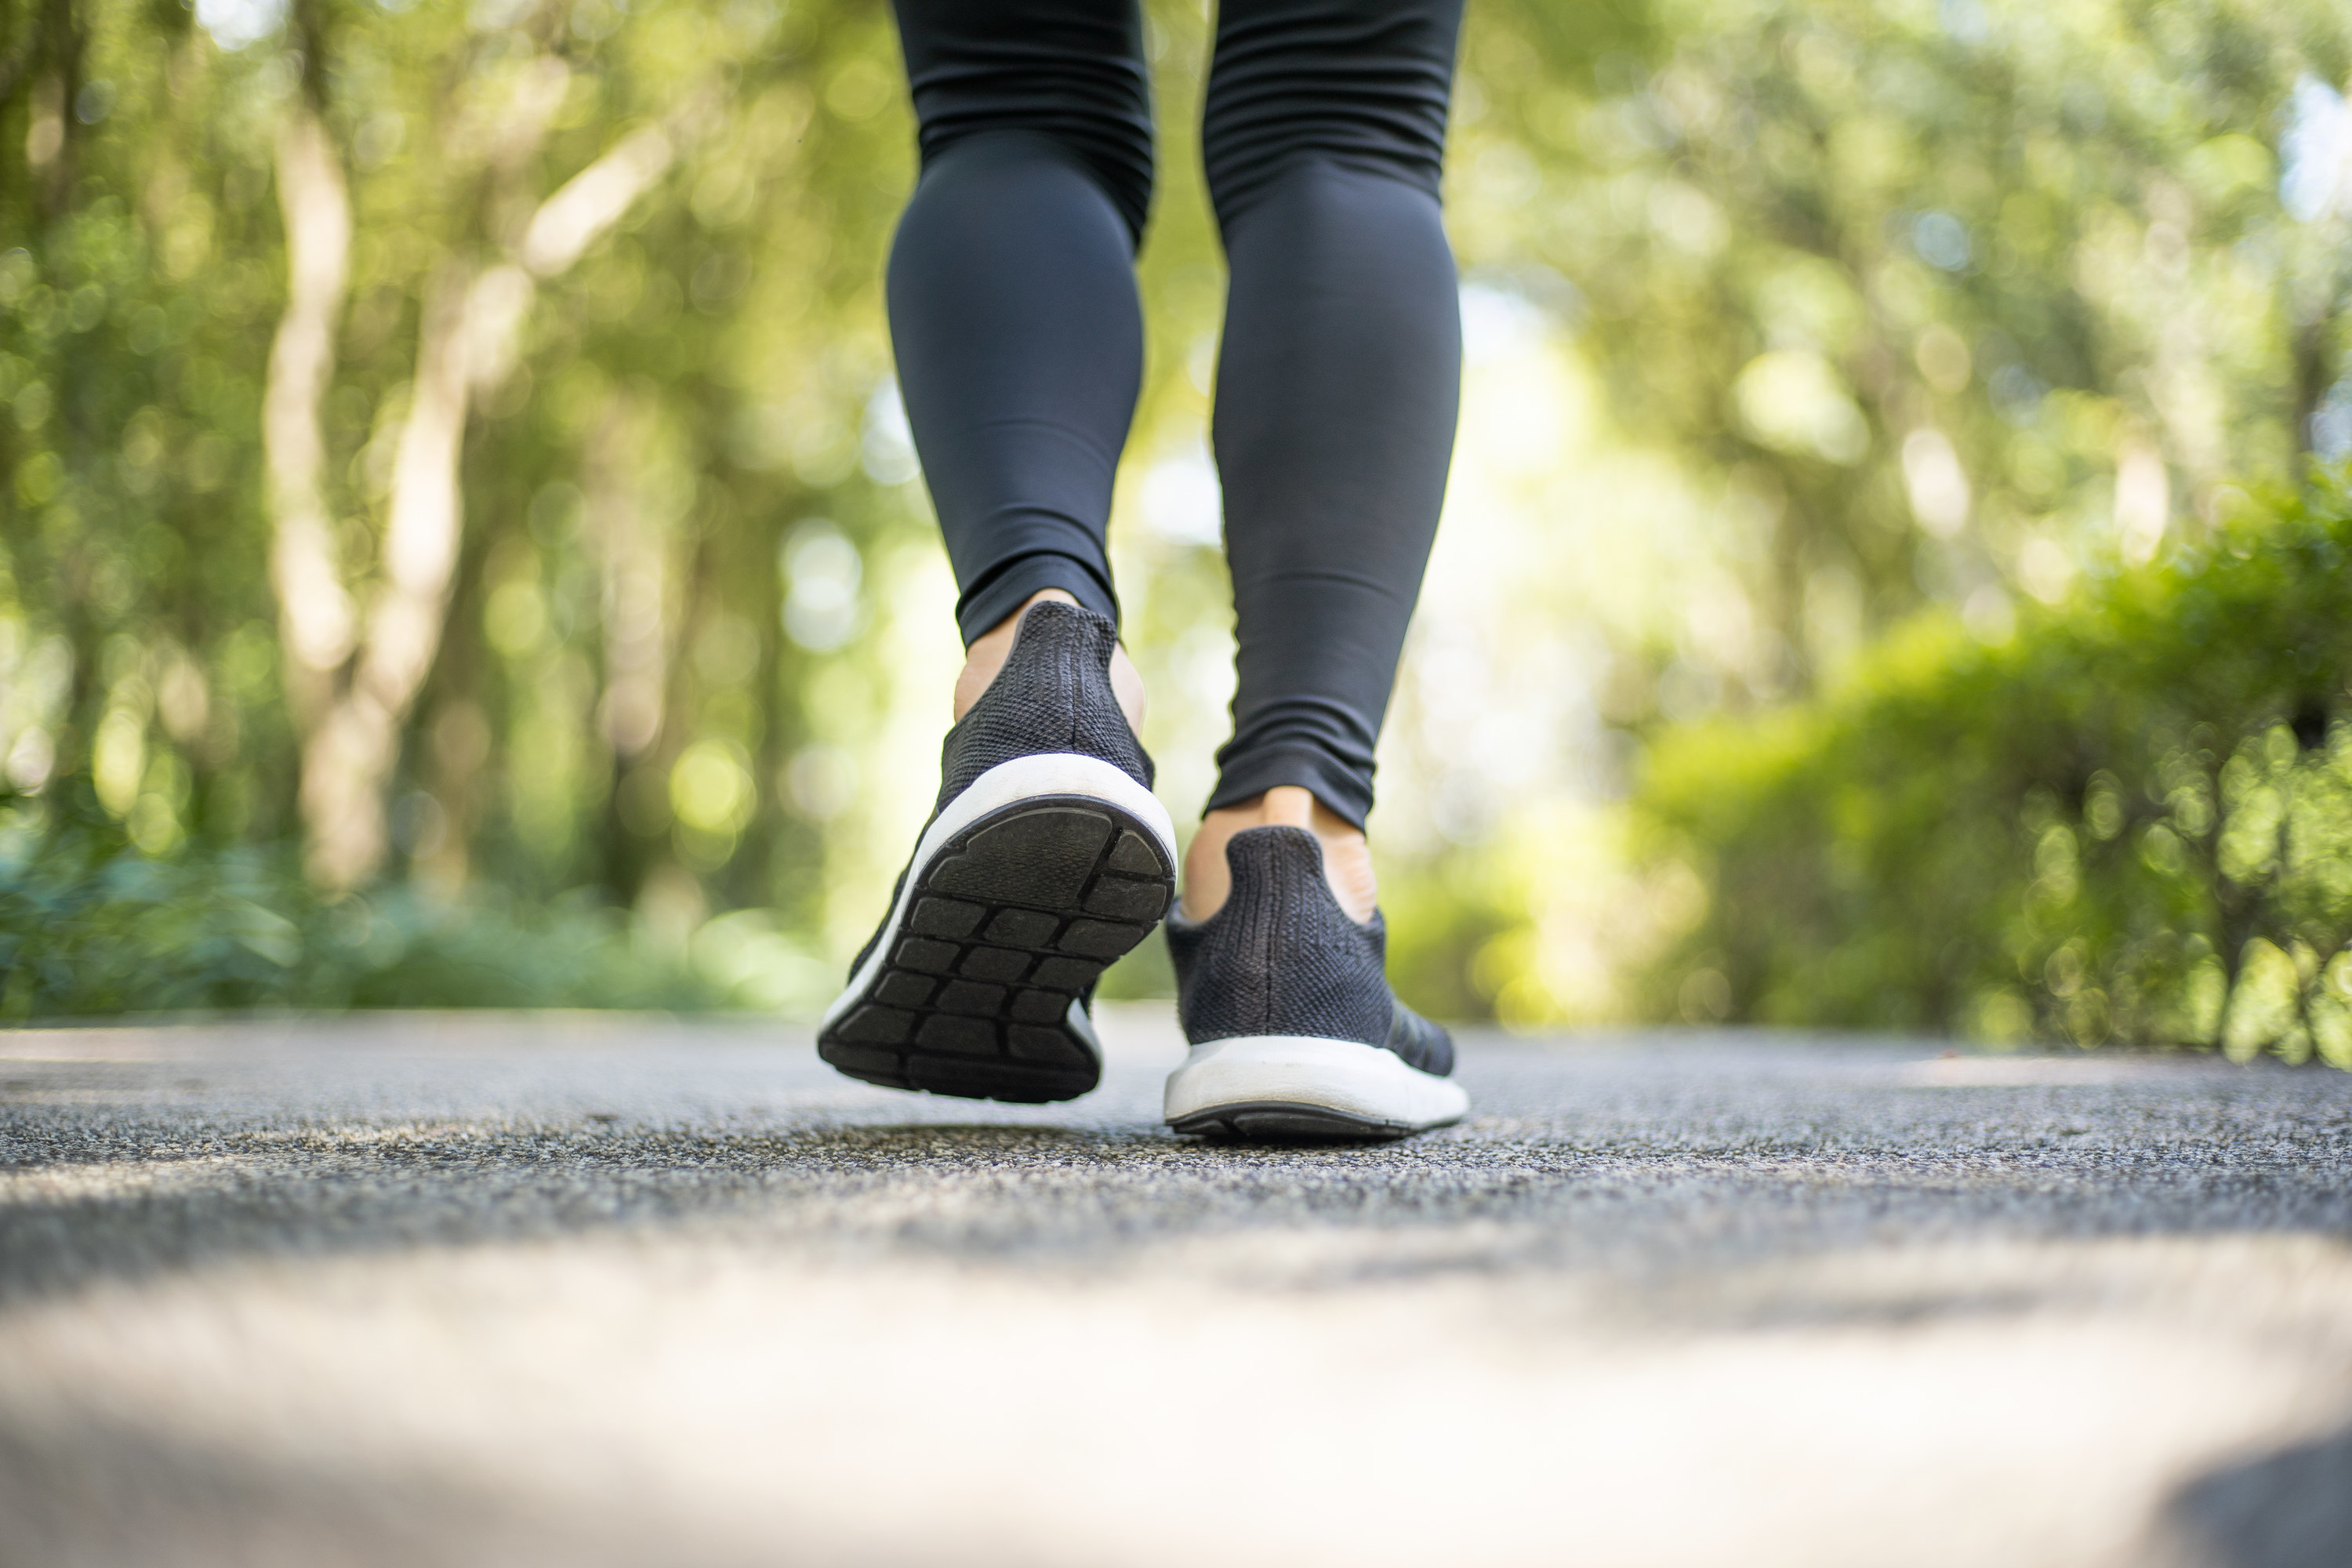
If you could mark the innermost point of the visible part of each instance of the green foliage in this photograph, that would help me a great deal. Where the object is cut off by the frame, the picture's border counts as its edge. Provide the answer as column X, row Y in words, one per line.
column 719, row 348
column 1861, row 308
column 1789, row 317
column 90, row 925
column 1898, row 288
column 2131, row 820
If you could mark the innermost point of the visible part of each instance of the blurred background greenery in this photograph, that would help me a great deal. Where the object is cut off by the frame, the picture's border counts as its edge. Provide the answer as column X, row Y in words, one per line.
column 459, row 541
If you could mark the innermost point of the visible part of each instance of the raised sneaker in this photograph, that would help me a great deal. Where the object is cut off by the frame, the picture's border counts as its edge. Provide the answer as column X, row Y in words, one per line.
column 1045, row 858
column 1286, row 1001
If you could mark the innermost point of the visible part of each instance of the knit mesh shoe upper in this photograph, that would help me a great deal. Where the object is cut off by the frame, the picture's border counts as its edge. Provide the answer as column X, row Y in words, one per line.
column 1053, row 694
column 1283, row 958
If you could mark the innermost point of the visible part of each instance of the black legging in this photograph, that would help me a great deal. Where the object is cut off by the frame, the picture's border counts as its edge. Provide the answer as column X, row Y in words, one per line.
column 1020, row 341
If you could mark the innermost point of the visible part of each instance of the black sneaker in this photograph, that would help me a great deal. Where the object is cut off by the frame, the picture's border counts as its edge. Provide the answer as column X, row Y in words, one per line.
column 1045, row 858
column 1286, row 1001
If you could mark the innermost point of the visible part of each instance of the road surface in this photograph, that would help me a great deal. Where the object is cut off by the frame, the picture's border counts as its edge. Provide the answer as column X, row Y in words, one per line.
column 611, row 1290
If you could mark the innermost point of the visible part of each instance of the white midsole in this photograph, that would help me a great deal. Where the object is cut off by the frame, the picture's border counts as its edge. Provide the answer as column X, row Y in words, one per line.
column 1046, row 773
column 1344, row 1076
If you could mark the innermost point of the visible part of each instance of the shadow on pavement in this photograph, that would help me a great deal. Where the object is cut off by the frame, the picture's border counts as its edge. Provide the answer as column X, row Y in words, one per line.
column 2288, row 1509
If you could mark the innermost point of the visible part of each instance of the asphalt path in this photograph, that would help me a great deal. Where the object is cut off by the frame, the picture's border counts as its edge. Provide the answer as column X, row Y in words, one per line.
column 603, row 1290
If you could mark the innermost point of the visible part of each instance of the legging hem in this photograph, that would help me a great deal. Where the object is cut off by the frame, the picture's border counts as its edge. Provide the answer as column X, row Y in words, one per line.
column 1330, row 780
column 998, row 595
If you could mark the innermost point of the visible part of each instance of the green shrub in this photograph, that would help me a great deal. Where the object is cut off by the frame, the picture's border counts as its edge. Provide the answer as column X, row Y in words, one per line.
column 89, row 926
column 2130, row 821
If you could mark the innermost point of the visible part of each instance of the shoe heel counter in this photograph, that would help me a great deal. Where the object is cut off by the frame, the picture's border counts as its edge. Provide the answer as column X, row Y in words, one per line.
column 1330, row 975
column 1053, row 694
column 1209, row 983
column 1282, row 957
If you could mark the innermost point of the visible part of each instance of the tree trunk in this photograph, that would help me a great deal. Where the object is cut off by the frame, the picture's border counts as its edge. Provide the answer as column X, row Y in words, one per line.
column 2312, row 375
column 314, row 613
column 53, row 131
column 471, row 320
column 351, row 754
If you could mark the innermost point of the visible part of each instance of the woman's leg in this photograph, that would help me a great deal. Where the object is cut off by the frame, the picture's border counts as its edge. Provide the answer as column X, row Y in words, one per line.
column 1014, row 314
column 1336, row 401
column 1011, row 287
column 1338, row 388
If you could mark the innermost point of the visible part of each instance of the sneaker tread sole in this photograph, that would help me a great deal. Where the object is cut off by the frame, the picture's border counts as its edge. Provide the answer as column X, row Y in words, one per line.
column 1006, row 925
column 1277, row 1121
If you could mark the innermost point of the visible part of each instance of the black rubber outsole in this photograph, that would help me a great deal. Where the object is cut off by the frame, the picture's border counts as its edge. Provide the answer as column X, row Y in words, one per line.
column 1008, row 923
column 1282, row 1121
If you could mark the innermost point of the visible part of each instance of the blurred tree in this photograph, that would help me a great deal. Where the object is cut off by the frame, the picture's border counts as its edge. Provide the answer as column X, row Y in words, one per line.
column 1936, row 301
column 1851, row 308
column 459, row 332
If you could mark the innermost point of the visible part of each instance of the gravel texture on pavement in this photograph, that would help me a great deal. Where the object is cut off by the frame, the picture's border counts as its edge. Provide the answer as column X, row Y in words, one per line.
column 610, row 1291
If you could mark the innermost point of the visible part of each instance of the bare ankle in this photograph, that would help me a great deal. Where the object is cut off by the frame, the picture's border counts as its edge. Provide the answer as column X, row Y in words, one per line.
column 1346, row 857
column 988, row 650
